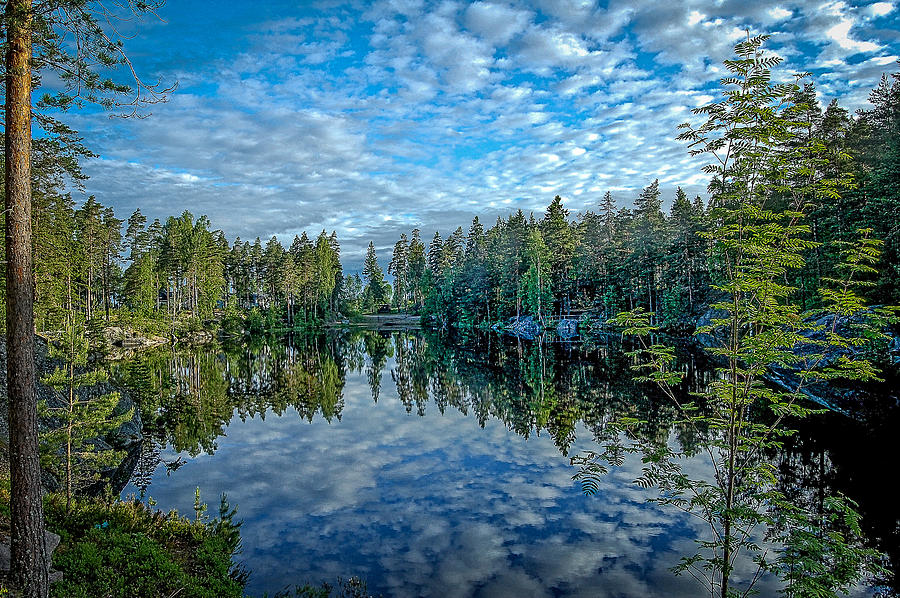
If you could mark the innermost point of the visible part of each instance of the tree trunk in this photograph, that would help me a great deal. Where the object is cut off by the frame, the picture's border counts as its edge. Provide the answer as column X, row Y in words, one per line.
column 90, row 281
column 106, row 266
column 29, row 558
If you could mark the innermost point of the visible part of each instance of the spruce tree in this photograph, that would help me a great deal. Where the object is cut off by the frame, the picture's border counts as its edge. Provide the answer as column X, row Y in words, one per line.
column 399, row 269
column 373, row 275
column 560, row 240
column 417, row 265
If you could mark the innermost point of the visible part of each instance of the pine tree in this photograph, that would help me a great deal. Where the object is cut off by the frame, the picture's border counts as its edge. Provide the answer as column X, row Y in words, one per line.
column 560, row 239
column 67, row 38
column 453, row 249
column 82, row 417
column 436, row 257
column 271, row 271
column 684, row 272
column 302, row 253
column 646, row 247
column 535, row 288
column 417, row 265
column 374, row 294
column 399, row 269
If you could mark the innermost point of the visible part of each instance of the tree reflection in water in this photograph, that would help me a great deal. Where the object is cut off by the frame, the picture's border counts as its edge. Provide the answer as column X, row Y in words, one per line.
column 189, row 396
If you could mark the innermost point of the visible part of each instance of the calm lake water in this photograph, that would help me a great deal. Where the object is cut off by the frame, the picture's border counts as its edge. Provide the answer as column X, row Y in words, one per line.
column 433, row 470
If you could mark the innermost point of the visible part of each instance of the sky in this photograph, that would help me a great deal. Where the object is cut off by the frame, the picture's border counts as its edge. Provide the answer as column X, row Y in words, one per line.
column 374, row 118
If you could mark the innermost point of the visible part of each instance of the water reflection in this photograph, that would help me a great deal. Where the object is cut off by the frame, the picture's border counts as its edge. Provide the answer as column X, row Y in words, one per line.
column 428, row 468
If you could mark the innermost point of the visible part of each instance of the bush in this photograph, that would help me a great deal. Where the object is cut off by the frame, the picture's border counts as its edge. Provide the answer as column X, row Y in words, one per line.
column 126, row 550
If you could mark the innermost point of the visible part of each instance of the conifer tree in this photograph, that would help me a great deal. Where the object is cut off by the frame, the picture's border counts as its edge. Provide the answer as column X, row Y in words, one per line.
column 686, row 256
column 82, row 417
column 399, row 269
column 436, row 256
column 453, row 249
column 559, row 237
column 374, row 294
column 647, row 245
column 535, row 288
column 417, row 265
column 65, row 37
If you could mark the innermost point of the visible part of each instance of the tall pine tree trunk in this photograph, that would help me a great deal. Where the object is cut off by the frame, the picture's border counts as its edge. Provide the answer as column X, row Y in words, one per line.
column 29, row 558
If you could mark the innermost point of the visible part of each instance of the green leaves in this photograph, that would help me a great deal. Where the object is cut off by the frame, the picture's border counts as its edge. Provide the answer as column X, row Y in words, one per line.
column 767, row 173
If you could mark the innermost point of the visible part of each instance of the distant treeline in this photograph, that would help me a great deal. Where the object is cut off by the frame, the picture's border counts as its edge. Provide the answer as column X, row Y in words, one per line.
column 90, row 266
column 89, row 263
column 610, row 258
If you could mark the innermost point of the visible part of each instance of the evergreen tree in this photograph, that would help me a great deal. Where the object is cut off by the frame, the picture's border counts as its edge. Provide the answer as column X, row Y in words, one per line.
column 560, row 240
column 535, row 288
column 399, row 269
column 686, row 257
column 83, row 416
column 374, row 294
column 436, row 257
column 417, row 265
column 66, row 38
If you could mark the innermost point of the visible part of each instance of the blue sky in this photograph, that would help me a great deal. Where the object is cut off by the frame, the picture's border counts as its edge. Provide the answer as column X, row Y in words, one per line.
column 372, row 118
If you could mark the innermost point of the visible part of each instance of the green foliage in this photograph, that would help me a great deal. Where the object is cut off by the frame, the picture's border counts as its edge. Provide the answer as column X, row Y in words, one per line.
column 125, row 550
column 764, row 174
column 377, row 290
column 822, row 554
column 83, row 412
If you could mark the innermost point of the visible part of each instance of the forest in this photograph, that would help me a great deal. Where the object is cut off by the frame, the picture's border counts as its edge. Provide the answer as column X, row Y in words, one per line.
column 610, row 258
column 801, row 216
column 613, row 258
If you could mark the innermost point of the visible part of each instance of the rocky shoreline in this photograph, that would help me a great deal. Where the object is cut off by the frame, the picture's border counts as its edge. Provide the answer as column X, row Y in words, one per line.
column 120, row 343
column 835, row 396
column 127, row 437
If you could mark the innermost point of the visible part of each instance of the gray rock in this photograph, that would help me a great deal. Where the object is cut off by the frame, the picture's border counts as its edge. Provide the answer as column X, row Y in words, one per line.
column 523, row 327
column 51, row 541
column 567, row 329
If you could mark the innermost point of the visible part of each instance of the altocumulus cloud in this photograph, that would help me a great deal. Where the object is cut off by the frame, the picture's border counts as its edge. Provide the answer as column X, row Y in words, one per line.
column 373, row 121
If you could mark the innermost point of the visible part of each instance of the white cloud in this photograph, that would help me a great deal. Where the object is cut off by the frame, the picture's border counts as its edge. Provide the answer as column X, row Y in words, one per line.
column 880, row 9
column 496, row 23
column 779, row 14
column 322, row 119
column 840, row 33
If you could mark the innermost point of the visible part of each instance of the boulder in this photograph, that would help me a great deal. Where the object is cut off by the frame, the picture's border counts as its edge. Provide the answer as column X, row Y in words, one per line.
column 567, row 329
column 51, row 541
column 523, row 327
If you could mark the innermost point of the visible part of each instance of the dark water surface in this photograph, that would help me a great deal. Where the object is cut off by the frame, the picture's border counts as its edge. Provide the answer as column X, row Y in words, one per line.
column 431, row 470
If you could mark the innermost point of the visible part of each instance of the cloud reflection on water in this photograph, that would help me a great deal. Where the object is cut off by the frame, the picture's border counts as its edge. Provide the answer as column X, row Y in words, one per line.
column 429, row 506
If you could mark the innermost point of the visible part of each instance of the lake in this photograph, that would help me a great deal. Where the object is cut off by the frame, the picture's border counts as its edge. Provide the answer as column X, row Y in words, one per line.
column 435, row 469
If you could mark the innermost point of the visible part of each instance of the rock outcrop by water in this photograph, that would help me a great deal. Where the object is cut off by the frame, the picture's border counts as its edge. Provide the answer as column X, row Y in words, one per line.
column 523, row 327
column 120, row 343
column 127, row 437
column 122, row 340
column 817, row 353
